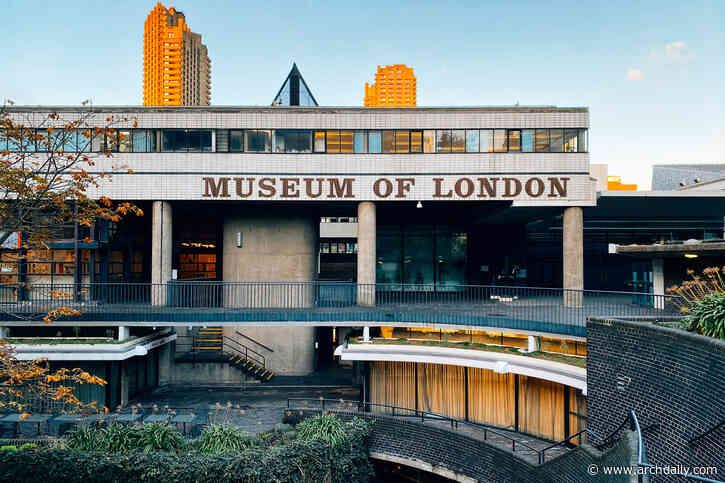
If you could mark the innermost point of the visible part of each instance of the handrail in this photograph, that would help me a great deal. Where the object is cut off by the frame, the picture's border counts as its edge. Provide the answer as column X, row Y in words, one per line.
column 713, row 429
column 255, row 341
column 422, row 414
column 246, row 351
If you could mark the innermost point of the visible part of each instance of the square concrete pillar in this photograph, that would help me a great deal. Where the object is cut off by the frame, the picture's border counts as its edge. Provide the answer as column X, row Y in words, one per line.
column 161, row 250
column 366, row 257
column 658, row 282
column 123, row 333
column 573, row 260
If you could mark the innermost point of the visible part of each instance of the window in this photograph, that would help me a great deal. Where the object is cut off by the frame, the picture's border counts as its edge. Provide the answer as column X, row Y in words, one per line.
column 416, row 141
column 556, row 140
column 542, row 140
column 429, row 141
column 236, row 140
column 333, row 141
column 514, row 140
column 472, row 141
column 173, row 140
column 259, row 140
column 319, row 141
column 527, row 140
column 97, row 142
column 443, row 141
column 499, row 140
column 140, row 141
column 486, row 140
column 360, row 142
column 375, row 143
column 583, row 136
column 458, row 141
column 289, row 141
column 346, row 141
column 388, row 141
column 124, row 141
column 402, row 141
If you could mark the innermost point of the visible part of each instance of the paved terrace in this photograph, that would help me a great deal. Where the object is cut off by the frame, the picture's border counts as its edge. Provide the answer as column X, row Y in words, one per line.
column 522, row 309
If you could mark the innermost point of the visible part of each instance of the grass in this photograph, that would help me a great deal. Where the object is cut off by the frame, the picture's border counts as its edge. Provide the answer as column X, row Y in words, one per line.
column 549, row 356
column 63, row 340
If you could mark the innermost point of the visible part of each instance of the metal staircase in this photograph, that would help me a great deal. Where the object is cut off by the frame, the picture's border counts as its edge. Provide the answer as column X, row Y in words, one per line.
column 209, row 339
column 247, row 360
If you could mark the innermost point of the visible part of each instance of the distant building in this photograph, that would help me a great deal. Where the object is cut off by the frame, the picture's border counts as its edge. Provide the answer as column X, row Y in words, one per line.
column 294, row 91
column 614, row 183
column 675, row 176
column 176, row 65
column 395, row 86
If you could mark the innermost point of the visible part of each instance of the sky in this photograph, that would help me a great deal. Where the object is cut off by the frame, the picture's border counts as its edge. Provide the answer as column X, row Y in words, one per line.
column 651, row 73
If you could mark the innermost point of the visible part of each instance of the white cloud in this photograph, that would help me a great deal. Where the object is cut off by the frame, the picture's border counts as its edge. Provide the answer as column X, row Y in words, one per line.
column 678, row 52
column 634, row 75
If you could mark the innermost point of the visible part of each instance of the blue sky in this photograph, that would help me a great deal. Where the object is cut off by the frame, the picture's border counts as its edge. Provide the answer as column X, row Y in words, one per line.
column 652, row 73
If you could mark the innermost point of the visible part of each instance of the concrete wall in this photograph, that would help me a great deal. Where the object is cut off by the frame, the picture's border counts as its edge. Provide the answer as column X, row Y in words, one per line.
column 277, row 246
column 203, row 373
column 294, row 347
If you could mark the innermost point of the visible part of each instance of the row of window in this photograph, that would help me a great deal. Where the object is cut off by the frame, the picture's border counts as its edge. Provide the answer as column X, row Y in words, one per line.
column 308, row 141
column 338, row 247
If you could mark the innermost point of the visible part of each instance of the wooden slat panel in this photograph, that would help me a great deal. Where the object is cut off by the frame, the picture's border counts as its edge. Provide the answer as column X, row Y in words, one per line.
column 541, row 408
column 441, row 389
column 491, row 397
column 577, row 405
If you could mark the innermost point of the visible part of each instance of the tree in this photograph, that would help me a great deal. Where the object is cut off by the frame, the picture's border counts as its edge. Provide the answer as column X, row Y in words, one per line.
column 46, row 174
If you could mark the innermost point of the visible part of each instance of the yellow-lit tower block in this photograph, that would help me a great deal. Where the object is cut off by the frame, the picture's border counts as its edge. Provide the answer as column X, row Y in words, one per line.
column 395, row 86
column 176, row 67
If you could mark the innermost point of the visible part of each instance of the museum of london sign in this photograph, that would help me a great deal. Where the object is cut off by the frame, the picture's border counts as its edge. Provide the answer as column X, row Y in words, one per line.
column 383, row 188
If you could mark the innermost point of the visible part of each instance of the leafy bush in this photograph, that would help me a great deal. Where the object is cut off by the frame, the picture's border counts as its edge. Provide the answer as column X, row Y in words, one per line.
column 159, row 437
column 223, row 439
column 12, row 447
column 707, row 316
column 117, row 438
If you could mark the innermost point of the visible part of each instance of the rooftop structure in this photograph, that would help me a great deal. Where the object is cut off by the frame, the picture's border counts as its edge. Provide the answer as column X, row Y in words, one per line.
column 294, row 91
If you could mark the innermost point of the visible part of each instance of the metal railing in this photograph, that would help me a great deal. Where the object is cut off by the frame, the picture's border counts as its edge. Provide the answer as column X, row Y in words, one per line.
column 417, row 414
column 526, row 308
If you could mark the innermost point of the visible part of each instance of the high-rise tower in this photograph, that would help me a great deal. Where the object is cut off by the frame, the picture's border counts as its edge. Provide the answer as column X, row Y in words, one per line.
column 395, row 86
column 176, row 65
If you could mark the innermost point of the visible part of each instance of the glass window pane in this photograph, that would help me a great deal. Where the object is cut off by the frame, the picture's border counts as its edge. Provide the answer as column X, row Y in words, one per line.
column 388, row 254
column 388, row 141
column 140, row 141
column 319, row 141
column 527, row 140
column 556, row 140
column 429, row 141
column 259, row 140
column 451, row 259
column 515, row 140
column 542, row 140
column 375, row 143
column 97, row 142
column 486, row 140
column 402, row 141
column 416, row 142
column 418, row 258
column 236, row 140
column 84, row 140
column 221, row 141
column 280, row 138
column 124, row 141
column 346, row 141
column 570, row 140
column 458, row 138
column 198, row 141
column 583, row 141
column 499, row 140
column 472, row 141
column 360, row 142
column 333, row 141
column 443, row 141
column 173, row 140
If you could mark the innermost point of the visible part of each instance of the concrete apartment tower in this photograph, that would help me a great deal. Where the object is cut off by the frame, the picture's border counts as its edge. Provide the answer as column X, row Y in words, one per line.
column 176, row 65
column 395, row 86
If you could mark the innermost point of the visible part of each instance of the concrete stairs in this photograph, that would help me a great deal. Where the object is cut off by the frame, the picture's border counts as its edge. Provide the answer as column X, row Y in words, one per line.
column 250, row 367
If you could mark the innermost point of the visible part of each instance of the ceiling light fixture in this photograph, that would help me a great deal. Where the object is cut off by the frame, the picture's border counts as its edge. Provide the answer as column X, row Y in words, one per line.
column 690, row 255
column 419, row 205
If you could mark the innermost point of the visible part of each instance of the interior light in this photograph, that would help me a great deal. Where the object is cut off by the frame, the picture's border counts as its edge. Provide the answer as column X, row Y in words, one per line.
column 690, row 255
column 419, row 205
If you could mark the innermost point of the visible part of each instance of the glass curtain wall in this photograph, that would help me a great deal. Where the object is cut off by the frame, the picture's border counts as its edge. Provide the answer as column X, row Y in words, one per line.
column 421, row 258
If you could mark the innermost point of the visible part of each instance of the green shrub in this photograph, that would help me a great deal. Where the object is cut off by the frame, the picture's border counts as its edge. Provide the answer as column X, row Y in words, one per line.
column 707, row 316
column 224, row 439
column 325, row 426
column 158, row 437
column 12, row 447
column 84, row 438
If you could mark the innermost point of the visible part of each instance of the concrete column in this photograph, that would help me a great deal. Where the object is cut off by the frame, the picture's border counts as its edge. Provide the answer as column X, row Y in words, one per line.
column 658, row 282
column 366, row 258
column 123, row 333
column 161, row 249
column 166, row 360
column 124, row 384
column 534, row 344
column 4, row 331
column 366, row 334
column 573, row 241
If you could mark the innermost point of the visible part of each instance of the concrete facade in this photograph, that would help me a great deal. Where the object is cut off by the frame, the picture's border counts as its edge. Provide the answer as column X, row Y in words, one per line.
column 293, row 348
column 573, row 241
column 161, row 250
